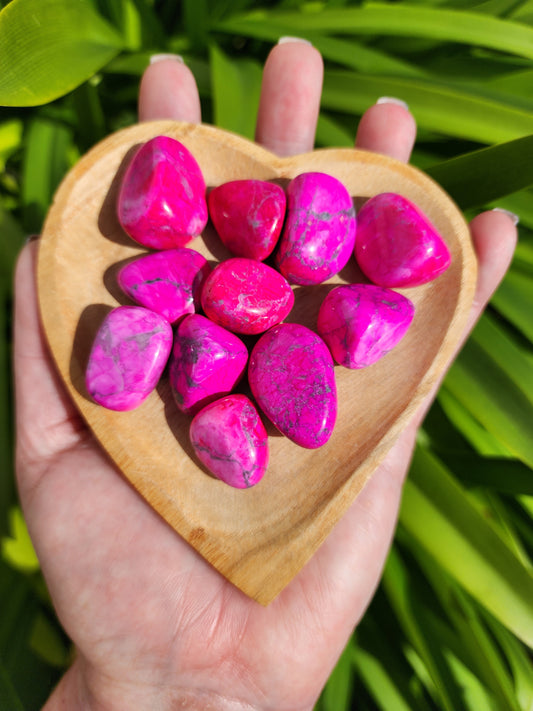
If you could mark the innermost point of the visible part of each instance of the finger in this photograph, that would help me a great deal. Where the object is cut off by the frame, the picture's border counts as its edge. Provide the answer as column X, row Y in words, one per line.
column 389, row 128
column 290, row 98
column 46, row 419
column 494, row 236
column 168, row 91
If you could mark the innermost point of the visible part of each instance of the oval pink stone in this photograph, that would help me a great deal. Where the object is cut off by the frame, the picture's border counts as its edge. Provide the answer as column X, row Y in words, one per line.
column 246, row 296
column 206, row 362
column 230, row 440
column 319, row 233
column 291, row 377
column 248, row 216
column 162, row 203
column 396, row 243
column 360, row 323
column 167, row 282
column 128, row 356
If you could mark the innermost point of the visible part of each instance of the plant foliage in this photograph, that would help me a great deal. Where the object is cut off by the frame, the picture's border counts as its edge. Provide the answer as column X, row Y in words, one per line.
column 451, row 625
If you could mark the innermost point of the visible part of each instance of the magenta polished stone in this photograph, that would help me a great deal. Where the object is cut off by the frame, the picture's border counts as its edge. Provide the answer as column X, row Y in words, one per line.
column 128, row 355
column 319, row 233
column 206, row 362
column 167, row 282
column 162, row 201
column 291, row 377
column 360, row 323
column 246, row 296
column 230, row 440
column 397, row 245
column 248, row 216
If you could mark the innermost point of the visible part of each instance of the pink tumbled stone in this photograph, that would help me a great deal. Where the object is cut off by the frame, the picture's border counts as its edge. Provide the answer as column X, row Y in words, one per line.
column 396, row 243
column 168, row 282
column 319, row 233
column 162, row 201
column 129, row 354
column 230, row 440
column 291, row 377
column 206, row 362
column 360, row 323
column 246, row 296
column 248, row 216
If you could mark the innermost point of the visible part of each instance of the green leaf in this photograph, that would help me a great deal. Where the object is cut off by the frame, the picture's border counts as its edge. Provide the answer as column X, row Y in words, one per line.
column 236, row 86
column 507, row 476
column 514, row 299
column 10, row 138
column 337, row 694
column 9, row 699
column 437, row 513
column 488, row 174
column 17, row 548
column 378, row 682
column 196, row 19
column 53, row 47
column 443, row 108
column 399, row 19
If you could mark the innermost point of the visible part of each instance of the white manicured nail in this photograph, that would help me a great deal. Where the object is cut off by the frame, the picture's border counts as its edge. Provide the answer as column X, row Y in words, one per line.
column 160, row 57
column 392, row 100
column 509, row 214
column 288, row 40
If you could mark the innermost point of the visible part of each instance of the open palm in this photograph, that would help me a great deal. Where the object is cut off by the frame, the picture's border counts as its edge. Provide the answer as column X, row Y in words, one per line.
column 154, row 625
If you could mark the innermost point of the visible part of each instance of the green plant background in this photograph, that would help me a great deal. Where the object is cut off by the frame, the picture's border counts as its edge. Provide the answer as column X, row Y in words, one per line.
column 451, row 625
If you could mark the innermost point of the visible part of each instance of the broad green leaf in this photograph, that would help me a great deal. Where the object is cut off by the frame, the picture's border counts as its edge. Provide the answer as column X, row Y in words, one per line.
column 442, row 108
column 437, row 513
column 53, row 47
column 330, row 133
column 236, row 85
column 508, row 476
column 485, row 175
column 46, row 641
column 399, row 19
column 9, row 699
column 17, row 548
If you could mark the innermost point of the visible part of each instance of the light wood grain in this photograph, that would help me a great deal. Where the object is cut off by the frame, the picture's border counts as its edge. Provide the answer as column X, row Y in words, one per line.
column 261, row 537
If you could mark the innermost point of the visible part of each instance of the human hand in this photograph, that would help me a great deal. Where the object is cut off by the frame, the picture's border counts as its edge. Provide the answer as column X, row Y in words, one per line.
column 154, row 625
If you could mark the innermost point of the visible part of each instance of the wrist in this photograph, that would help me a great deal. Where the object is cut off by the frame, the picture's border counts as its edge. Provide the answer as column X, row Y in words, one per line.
column 77, row 690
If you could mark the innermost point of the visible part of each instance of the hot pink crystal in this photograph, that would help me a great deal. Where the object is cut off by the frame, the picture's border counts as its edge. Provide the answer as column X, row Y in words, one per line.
column 397, row 246
column 246, row 296
column 231, row 441
column 248, row 216
column 319, row 233
column 291, row 377
column 162, row 201
column 167, row 282
column 360, row 323
column 129, row 354
column 206, row 362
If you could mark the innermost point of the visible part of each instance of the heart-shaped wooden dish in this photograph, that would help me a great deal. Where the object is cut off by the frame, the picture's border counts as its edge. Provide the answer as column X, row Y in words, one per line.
column 261, row 537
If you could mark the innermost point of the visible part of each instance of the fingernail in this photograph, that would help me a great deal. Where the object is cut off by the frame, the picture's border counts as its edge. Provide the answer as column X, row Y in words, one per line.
column 288, row 40
column 31, row 238
column 392, row 100
column 161, row 57
column 509, row 214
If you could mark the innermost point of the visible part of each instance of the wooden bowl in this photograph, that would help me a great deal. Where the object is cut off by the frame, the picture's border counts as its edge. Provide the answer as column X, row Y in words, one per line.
column 260, row 537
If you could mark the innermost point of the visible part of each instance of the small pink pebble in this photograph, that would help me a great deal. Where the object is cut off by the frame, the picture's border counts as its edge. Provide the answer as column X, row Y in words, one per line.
column 206, row 362
column 246, row 296
column 167, row 282
column 128, row 356
column 248, row 216
column 361, row 322
column 397, row 246
column 230, row 440
column 291, row 377
column 162, row 201
column 319, row 233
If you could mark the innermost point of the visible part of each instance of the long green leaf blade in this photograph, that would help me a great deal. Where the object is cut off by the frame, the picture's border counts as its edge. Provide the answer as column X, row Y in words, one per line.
column 436, row 511
column 482, row 176
column 53, row 47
